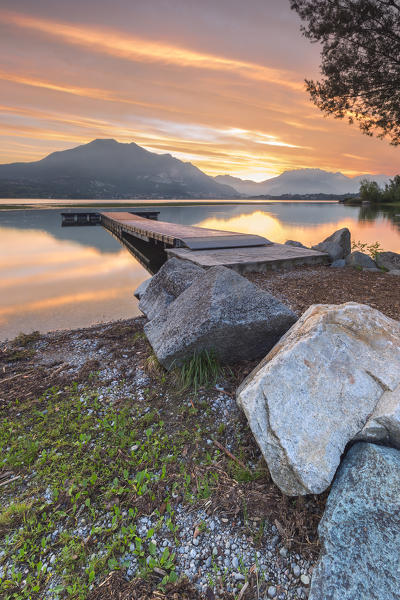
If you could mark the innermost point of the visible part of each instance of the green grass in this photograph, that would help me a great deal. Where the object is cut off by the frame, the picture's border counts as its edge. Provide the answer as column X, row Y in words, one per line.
column 99, row 465
column 86, row 461
column 13, row 515
column 199, row 371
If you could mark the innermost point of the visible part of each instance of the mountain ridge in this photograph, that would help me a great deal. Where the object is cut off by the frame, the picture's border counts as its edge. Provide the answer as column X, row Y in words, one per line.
column 105, row 168
column 301, row 181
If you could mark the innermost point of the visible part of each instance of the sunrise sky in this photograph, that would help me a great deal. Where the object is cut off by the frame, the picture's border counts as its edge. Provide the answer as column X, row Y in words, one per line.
column 219, row 83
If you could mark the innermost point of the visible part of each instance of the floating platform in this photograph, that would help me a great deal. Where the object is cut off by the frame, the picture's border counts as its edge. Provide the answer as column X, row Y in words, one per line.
column 177, row 236
column 273, row 257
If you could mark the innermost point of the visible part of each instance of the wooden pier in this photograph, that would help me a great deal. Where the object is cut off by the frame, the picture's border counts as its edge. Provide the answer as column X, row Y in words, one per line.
column 173, row 235
column 210, row 247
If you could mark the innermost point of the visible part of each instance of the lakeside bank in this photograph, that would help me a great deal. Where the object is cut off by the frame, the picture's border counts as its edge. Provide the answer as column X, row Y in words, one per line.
column 121, row 471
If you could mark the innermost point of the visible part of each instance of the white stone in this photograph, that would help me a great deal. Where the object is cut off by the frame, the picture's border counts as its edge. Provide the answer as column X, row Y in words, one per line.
column 334, row 372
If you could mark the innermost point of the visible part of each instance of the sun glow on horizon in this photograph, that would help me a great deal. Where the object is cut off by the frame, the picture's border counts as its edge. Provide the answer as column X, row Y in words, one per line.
column 225, row 106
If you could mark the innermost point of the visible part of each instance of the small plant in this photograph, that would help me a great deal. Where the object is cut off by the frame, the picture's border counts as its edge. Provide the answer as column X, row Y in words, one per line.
column 153, row 367
column 201, row 370
column 23, row 339
column 371, row 249
column 13, row 515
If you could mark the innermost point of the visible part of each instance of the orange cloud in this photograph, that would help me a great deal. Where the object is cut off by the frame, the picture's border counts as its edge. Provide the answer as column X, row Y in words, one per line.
column 93, row 93
column 115, row 43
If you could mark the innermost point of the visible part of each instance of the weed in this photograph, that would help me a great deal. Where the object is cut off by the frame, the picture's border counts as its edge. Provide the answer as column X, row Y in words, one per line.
column 24, row 339
column 371, row 249
column 199, row 371
column 17, row 355
column 13, row 515
column 153, row 367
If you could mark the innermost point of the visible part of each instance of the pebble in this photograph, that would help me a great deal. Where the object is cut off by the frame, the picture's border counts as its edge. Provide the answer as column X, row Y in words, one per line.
column 223, row 546
column 296, row 570
column 305, row 580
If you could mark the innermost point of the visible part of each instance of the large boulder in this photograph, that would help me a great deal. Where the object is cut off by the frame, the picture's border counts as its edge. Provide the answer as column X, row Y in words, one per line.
column 337, row 245
column 360, row 529
column 223, row 312
column 171, row 280
column 360, row 260
column 388, row 260
column 140, row 290
column 317, row 390
column 339, row 263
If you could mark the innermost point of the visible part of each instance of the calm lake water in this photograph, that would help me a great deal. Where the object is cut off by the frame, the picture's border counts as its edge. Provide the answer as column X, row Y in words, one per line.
column 58, row 278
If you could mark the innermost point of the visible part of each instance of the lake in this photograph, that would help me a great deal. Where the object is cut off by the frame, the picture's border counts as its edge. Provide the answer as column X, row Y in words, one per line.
column 54, row 277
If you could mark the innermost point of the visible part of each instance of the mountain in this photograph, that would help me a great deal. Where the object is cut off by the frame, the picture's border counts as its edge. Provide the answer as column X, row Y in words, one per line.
column 300, row 181
column 109, row 169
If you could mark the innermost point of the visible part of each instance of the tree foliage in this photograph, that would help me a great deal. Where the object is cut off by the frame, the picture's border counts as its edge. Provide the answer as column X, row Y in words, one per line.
column 370, row 190
column 360, row 61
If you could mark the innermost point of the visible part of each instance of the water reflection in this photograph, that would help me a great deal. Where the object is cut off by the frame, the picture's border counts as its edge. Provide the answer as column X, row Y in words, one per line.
column 277, row 230
column 372, row 212
column 47, row 283
column 53, row 277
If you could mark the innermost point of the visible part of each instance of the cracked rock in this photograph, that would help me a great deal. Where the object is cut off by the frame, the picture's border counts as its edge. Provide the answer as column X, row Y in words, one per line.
column 333, row 378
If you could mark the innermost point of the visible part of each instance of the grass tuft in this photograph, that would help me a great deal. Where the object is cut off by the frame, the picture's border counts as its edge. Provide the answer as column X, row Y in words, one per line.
column 13, row 515
column 199, row 371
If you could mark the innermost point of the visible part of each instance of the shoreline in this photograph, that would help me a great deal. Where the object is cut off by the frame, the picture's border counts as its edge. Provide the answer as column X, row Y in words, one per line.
column 143, row 479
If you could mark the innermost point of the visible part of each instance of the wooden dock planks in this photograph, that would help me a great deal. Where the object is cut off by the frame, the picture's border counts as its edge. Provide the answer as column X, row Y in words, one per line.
column 210, row 247
column 178, row 236
column 252, row 260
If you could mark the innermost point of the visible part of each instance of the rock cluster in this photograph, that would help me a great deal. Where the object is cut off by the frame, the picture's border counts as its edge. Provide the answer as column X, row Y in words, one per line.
column 216, row 310
column 338, row 247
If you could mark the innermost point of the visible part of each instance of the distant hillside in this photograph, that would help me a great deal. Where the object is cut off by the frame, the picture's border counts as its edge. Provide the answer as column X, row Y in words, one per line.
column 108, row 169
column 300, row 181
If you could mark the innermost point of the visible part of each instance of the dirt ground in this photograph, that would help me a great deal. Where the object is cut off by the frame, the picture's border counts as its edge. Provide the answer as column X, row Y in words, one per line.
column 305, row 286
column 102, row 355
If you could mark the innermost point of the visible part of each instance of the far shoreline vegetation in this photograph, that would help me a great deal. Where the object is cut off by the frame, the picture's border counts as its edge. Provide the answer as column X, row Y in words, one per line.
column 371, row 193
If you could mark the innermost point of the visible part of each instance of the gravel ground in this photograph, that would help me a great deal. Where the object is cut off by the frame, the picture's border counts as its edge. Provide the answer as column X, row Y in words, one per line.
column 244, row 534
column 218, row 547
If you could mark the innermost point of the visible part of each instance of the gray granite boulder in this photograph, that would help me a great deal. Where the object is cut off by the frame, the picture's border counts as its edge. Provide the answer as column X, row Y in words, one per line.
column 223, row 312
column 167, row 284
column 388, row 260
column 333, row 373
column 295, row 244
column 339, row 263
column 360, row 259
column 337, row 245
column 140, row 290
column 360, row 529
